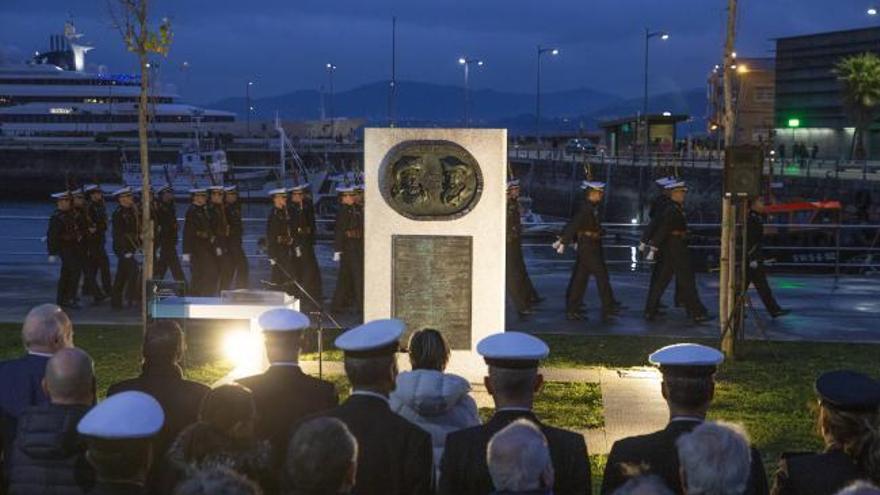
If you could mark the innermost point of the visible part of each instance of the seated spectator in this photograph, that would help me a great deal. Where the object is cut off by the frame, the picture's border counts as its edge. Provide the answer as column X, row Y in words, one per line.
column 715, row 459
column 322, row 458
column 437, row 402
column 119, row 433
column 644, row 485
column 284, row 395
column 849, row 423
column 223, row 435
column 519, row 460
column 217, row 480
column 48, row 456
column 513, row 359
column 688, row 387
column 161, row 377
column 46, row 329
column 860, row 488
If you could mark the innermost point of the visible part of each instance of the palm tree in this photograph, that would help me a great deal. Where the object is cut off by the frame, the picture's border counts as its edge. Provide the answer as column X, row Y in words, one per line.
column 860, row 75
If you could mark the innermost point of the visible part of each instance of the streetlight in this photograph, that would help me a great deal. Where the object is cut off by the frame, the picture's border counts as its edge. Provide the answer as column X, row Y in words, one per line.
column 872, row 11
column 663, row 35
column 331, row 68
column 249, row 108
column 541, row 51
column 466, row 63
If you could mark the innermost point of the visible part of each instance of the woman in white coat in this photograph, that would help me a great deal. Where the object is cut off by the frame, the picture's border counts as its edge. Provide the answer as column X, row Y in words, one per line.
column 438, row 402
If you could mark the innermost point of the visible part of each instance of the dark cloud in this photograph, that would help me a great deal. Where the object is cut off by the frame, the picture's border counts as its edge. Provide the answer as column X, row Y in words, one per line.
column 284, row 44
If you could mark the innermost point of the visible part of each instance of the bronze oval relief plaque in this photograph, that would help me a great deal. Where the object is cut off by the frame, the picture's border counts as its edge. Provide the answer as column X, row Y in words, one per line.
column 431, row 180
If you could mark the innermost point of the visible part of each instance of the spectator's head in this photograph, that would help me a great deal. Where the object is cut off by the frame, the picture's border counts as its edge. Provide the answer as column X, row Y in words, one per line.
column 217, row 480
column 519, row 459
column 513, row 359
column 70, row 378
column 163, row 343
column 230, row 409
column 428, row 350
column 46, row 329
column 370, row 361
column 860, row 488
column 688, row 377
column 119, row 432
column 849, row 419
column 283, row 332
column 322, row 457
column 644, row 485
column 715, row 459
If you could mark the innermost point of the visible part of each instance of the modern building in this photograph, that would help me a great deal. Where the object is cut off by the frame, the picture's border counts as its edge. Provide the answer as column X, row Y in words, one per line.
column 753, row 95
column 809, row 107
column 622, row 136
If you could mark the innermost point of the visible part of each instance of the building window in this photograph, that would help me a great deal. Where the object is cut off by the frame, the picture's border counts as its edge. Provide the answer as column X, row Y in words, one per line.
column 764, row 94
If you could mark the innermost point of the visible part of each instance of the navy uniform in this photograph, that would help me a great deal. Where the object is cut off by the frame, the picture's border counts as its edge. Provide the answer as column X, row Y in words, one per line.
column 394, row 455
column 199, row 246
column 279, row 239
column 283, row 394
column 519, row 288
column 656, row 453
column 237, row 272
column 585, row 230
column 463, row 468
column 63, row 238
column 124, row 424
column 126, row 243
column 655, row 214
column 302, row 226
column 220, row 233
column 97, row 263
column 670, row 238
column 349, row 252
column 829, row 472
column 167, row 233
column 755, row 272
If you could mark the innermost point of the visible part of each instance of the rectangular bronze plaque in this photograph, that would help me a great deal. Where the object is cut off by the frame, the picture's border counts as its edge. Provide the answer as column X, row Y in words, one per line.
column 431, row 285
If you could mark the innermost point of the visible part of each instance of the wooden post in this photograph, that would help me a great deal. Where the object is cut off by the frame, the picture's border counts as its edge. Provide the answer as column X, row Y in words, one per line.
column 727, row 278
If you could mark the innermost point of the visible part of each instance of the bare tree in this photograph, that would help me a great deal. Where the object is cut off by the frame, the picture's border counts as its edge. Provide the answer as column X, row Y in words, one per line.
column 131, row 19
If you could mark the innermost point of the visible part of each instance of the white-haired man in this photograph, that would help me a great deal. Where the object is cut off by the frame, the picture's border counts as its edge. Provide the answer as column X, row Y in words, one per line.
column 715, row 459
column 519, row 460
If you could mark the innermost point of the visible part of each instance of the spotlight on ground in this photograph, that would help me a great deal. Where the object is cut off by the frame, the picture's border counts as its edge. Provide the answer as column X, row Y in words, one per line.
column 244, row 349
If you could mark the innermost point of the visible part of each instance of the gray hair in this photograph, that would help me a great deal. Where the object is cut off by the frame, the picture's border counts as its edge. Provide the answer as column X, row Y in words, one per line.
column 320, row 455
column 46, row 328
column 860, row 488
column 217, row 480
column 70, row 377
column 644, row 485
column 518, row 457
column 716, row 459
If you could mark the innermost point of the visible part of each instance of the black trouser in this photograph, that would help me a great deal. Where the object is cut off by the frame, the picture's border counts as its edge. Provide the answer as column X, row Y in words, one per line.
column 282, row 270
column 126, row 282
column 167, row 259
column 235, row 270
column 518, row 287
column 350, row 283
column 68, row 280
column 590, row 261
column 677, row 263
column 96, row 262
column 307, row 273
column 204, row 274
column 758, row 278
column 655, row 271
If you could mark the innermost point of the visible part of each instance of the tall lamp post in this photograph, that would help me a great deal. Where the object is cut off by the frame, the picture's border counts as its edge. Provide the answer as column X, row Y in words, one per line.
column 541, row 51
column 331, row 68
column 663, row 35
column 250, row 107
column 466, row 63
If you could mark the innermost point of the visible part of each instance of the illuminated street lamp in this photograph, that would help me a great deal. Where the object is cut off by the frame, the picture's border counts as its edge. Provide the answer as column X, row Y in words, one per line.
column 663, row 35
column 541, row 51
column 872, row 11
column 248, row 107
column 466, row 63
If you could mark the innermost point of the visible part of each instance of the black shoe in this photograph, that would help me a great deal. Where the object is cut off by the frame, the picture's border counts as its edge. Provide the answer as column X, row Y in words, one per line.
column 779, row 312
column 526, row 311
column 574, row 315
column 524, row 315
column 701, row 318
column 652, row 315
column 608, row 316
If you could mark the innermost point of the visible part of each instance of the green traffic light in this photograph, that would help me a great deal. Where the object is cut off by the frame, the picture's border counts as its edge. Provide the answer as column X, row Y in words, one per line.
column 794, row 122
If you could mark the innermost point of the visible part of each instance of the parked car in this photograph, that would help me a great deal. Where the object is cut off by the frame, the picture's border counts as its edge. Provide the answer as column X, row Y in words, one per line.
column 578, row 146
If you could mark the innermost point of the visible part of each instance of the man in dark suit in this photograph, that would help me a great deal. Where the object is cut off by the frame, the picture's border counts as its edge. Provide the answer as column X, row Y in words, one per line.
column 688, row 387
column 513, row 380
column 394, row 455
column 46, row 330
column 162, row 378
column 284, row 395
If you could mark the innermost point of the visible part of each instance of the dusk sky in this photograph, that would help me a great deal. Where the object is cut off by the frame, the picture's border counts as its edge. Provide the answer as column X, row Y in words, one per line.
column 283, row 45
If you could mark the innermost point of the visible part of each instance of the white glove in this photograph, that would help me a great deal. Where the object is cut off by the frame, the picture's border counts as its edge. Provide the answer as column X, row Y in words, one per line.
column 556, row 245
column 642, row 247
column 560, row 248
column 128, row 255
column 53, row 258
column 651, row 253
column 753, row 264
column 185, row 257
column 218, row 251
column 298, row 252
column 337, row 256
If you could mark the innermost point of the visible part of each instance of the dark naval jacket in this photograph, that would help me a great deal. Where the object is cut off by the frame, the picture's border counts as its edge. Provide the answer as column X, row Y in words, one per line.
column 463, row 469
column 585, row 228
column 394, row 456
column 349, row 230
column 658, row 453
column 197, row 234
column 64, row 232
column 655, row 214
column 815, row 474
column 126, row 231
column 166, row 224
column 278, row 234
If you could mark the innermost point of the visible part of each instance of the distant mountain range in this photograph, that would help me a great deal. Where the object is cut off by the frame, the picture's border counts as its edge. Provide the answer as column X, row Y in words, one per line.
column 420, row 103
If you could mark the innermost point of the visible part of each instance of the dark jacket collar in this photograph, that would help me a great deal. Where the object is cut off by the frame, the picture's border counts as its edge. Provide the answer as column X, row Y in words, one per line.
column 367, row 401
column 161, row 370
column 509, row 415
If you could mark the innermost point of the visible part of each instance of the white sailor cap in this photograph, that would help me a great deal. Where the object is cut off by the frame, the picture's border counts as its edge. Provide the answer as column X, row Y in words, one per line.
column 688, row 359
column 77, row 192
column 513, row 183
column 124, row 416
column 166, row 187
column 344, row 189
column 198, row 190
column 61, row 195
column 283, row 320
column 676, row 184
column 90, row 188
column 299, row 187
column 122, row 191
column 216, row 188
column 358, row 187
column 595, row 185
column 512, row 350
column 663, row 181
column 231, row 189
column 372, row 339
column 277, row 191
